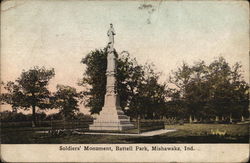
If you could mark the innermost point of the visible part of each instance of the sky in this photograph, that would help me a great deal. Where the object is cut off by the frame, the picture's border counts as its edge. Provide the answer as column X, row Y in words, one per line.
column 58, row 34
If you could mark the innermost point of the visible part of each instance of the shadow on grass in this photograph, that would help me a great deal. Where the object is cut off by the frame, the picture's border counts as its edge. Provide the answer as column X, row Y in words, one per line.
column 29, row 137
column 190, row 139
column 189, row 133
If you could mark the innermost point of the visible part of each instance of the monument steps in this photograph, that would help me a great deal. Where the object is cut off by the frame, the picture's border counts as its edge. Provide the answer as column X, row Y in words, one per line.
column 114, row 121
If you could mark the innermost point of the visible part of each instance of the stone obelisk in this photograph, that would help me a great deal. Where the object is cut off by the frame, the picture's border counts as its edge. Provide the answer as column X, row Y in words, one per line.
column 111, row 116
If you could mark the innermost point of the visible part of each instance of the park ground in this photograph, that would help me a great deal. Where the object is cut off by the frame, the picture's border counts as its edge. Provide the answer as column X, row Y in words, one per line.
column 187, row 133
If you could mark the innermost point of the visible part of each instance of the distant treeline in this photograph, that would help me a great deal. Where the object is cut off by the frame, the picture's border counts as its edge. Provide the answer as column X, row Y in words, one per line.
column 198, row 92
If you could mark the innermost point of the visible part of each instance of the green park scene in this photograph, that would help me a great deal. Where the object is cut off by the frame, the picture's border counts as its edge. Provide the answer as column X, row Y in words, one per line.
column 209, row 104
column 124, row 81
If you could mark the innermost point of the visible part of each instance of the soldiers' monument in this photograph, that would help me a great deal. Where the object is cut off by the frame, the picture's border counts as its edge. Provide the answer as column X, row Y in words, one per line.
column 111, row 116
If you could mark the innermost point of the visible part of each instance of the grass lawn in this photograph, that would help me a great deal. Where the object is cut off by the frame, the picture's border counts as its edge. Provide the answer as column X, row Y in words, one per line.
column 201, row 133
column 187, row 133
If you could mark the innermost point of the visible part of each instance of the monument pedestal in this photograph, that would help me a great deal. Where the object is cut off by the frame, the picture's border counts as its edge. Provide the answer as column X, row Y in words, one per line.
column 111, row 117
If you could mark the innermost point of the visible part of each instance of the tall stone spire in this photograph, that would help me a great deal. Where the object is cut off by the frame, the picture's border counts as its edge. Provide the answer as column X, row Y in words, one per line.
column 111, row 66
column 111, row 116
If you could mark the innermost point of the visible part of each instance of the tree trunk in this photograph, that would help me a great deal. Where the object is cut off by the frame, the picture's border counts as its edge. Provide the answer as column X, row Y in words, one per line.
column 164, row 118
column 231, row 120
column 216, row 118
column 33, row 116
column 14, row 109
column 190, row 119
column 242, row 118
column 64, row 120
column 195, row 120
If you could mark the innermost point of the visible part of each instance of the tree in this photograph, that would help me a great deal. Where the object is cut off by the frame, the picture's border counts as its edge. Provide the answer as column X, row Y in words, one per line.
column 134, row 84
column 1, row 94
column 228, row 90
column 30, row 90
column 197, row 91
column 148, row 97
column 129, row 76
column 66, row 100
column 205, row 91
column 240, row 94
column 94, row 79
column 13, row 96
column 175, row 106
column 178, row 95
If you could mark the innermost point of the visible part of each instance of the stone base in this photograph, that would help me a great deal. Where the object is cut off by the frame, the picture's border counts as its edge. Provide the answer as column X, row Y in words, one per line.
column 111, row 118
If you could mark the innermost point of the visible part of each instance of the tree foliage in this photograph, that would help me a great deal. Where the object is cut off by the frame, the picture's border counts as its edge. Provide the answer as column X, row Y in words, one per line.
column 30, row 90
column 66, row 100
column 14, row 96
column 137, row 85
column 94, row 79
column 217, row 89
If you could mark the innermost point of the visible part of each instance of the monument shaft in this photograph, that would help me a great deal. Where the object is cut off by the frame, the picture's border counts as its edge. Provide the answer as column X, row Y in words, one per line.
column 111, row 116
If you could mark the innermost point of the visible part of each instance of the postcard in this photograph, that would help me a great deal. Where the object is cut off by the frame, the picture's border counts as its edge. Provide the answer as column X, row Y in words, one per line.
column 124, row 81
